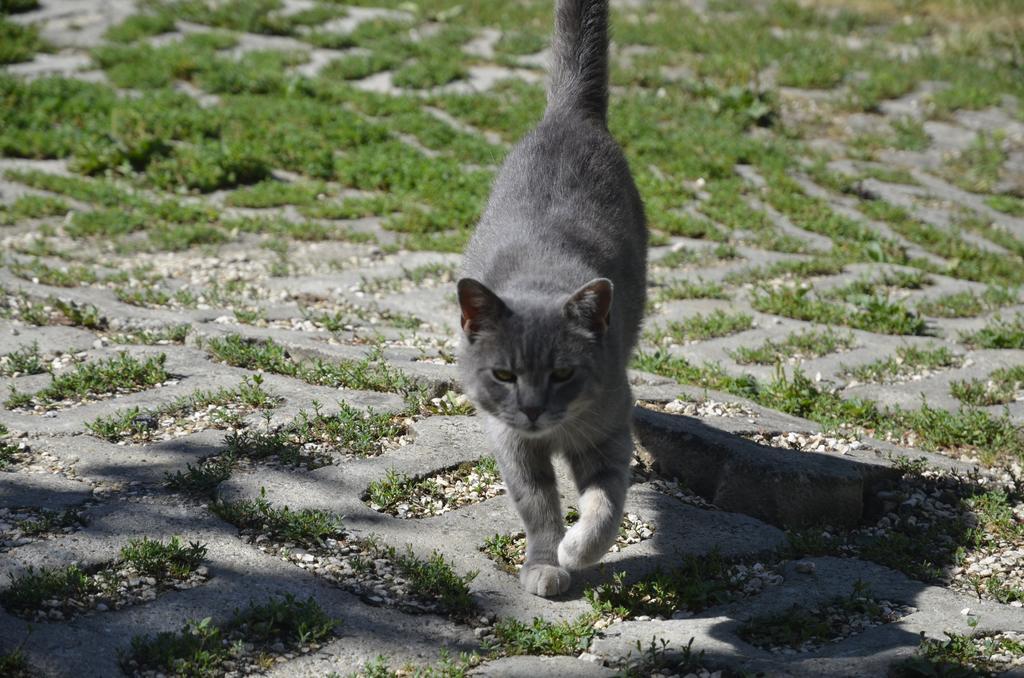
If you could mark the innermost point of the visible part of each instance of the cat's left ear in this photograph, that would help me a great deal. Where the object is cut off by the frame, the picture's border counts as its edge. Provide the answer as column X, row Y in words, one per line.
column 591, row 305
column 481, row 308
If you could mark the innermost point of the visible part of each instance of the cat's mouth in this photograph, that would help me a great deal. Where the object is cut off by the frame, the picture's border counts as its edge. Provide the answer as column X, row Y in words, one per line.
column 537, row 429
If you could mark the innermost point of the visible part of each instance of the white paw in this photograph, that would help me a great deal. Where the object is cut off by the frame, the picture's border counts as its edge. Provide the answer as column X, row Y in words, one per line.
column 544, row 580
column 579, row 549
column 570, row 551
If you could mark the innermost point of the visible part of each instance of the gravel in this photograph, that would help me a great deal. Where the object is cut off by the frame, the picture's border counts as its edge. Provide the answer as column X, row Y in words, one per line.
column 805, row 442
column 700, row 408
column 118, row 586
column 825, row 624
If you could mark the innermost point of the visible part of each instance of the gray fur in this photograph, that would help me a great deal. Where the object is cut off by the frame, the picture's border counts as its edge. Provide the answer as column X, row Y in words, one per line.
column 564, row 218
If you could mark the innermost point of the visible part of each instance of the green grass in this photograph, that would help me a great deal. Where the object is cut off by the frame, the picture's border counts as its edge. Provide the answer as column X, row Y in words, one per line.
column 690, row 289
column 168, row 562
column 30, row 590
column 797, row 345
column 140, row 26
column 23, row 360
column 202, row 647
column 1009, row 204
column 17, row 42
column 355, row 431
column 686, row 256
column 201, row 481
column 32, row 207
column 969, row 430
column 695, row 584
column 7, row 448
column 967, row 304
column 66, row 276
column 306, row 528
column 978, row 167
column 965, row 260
column 907, row 361
column 998, row 333
column 174, row 334
column 122, row 374
column 138, row 425
column 700, row 327
column 542, row 637
column 14, row 664
column 153, row 558
column 396, row 488
column 957, row 655
column 50, row 522
column 274, row 194
column 789, row 269
column 1001, row 387
column 802, row 624
column 370, row 374
column 435, row 579
column 872, row 312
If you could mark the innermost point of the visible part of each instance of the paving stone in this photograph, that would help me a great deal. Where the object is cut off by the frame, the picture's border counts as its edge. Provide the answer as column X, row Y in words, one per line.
column 737, row 495
column 41, row 490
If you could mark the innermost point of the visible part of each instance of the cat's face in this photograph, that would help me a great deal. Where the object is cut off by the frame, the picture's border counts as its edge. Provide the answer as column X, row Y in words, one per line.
column 532, row 364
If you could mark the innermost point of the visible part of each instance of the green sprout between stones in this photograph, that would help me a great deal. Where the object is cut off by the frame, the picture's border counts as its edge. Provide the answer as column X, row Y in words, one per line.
column 101, row 378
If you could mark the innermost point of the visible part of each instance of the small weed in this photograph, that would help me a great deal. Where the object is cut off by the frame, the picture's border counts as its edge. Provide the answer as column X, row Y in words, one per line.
column 1009, row 204
column 14, row 664
column 505, row 550
column 998, row 333
column 175, row 334
column 140, row 26
column 958, row 656
column 123, row 374
column 796, row 346
column 156, row 559
column 798, row 269
column 434, row 578
column 398, row 494
column 909, row 360
column 1003, row 386
column 30, row 590
column 690, row 289
column 18, row 42
column 696, row 584
column 978, row 167
column 50, row 522
column 68, row 276
column 203, row 479
column 801, row 626
column 370, row 374
column 307, row 528
column 24, row 360
column 700, row 327
column 843, row 306
column 541, row 637
column 968, row 304
column 202, row 647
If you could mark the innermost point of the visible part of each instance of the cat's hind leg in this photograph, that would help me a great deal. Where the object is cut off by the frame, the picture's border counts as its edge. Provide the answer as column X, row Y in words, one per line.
column 602, row 478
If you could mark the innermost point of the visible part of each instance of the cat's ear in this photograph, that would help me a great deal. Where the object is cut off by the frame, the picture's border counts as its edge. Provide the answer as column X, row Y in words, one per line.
column 591, row 305
column 481, row 308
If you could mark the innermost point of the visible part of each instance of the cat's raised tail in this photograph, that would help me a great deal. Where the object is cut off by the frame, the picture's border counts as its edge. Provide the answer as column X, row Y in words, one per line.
column 579, row 69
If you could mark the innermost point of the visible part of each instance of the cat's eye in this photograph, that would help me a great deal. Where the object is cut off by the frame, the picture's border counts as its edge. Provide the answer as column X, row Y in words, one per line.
column 504, row 375
column 561, row 374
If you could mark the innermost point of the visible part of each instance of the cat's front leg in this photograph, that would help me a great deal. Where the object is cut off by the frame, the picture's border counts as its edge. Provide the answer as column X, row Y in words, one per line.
column 530, row 478
column 602, row 478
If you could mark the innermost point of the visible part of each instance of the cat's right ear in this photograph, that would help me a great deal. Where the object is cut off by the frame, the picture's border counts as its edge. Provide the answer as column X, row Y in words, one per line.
column 481, row 308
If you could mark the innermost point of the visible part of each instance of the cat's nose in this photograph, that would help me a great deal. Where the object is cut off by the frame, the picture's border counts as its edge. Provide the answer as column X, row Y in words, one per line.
column 532, row 413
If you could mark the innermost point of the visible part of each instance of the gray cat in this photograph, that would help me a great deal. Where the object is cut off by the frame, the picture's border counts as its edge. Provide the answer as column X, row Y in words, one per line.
column 545, row 347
